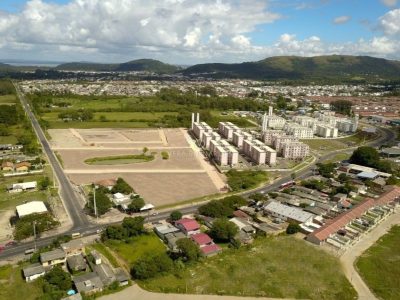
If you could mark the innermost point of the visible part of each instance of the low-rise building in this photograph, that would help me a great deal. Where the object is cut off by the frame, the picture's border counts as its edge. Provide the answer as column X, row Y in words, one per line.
column 23, row 166
column 287, row 213
column 73, row 247
column 188, row 226
column 52, row 258
column 33, row 207
column 88, row 283
column 22, row 187
column 7, row 166
column 76, row 263
column 33, row 272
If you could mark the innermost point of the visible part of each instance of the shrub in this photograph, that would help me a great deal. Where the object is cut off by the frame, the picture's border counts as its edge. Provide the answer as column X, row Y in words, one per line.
column 293, row 228
column 175, row 215
column 148, row 267
column 223, row 230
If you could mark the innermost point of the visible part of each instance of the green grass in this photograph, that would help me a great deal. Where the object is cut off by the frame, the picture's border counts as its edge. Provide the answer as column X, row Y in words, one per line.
column 338, row 157
column 272, row 267
column 136, row 247
column 8, row 99
column 379, row 266
column 94, row 124
column 243, row 180
column 13, row 286
column 104, row 251
column 119, row 160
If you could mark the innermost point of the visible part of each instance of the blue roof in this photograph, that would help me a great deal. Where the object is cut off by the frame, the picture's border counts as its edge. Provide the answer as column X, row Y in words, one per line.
column 367, row 175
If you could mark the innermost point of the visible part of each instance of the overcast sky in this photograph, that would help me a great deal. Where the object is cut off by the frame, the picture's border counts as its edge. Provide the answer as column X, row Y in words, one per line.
column 196, row 31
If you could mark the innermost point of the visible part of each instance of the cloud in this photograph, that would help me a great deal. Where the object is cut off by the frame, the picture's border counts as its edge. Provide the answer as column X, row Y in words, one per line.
column 390, row 22
column 341, row 20
column 389, row 3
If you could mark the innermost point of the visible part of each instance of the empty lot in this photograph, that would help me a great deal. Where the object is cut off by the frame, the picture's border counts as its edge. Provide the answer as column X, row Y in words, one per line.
column 184, row 175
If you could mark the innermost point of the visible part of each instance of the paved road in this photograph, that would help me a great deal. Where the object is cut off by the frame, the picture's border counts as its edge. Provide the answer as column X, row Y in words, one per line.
column 69, row 197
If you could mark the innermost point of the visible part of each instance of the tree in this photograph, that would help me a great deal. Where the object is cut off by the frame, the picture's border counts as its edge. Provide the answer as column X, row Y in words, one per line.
column 189, row 249
column 326, row 170
column 114, row 232
column 343, row 178
column 281, row 102
column 57, row 277
column 293, row 228
column 136, row 204
column 365, row 156
column 342, row 106
column 122, row 187
column 223, row 230
column 175, row 215
column 145, row 150
column 103, row 203
column 215, row 209
column 148, row 267
column 44, row 183
column 234, row 202
column 133, row 226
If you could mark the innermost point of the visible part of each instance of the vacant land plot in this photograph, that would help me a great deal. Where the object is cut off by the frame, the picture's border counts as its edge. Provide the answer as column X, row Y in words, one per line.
column 13, row 286
column 379, row 266
column 8, row 99
column 137, row 247
column 270, row 267
column 184, row 175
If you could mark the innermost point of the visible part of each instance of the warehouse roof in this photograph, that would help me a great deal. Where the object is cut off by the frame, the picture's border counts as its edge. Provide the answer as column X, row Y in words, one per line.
column 31, row 208
column 289, row 212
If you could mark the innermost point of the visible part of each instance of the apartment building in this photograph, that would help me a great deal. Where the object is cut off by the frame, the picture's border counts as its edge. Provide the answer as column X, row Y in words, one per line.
column 239, row 137
column 208, row 137
column 299, row 131
column 199, row 128
column 326, row 131
column 272, row 122
column 224, row 154
column 226, row 129
column 267, row 136
column 296, row 150
column 259, row 153
column 279, row 140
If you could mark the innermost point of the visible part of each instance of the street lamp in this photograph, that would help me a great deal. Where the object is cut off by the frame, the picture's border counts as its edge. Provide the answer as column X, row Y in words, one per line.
column 94, row 202
column 34, row 234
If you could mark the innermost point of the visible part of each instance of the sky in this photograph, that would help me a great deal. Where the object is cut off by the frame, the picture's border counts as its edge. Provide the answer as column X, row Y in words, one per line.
column 196, row 31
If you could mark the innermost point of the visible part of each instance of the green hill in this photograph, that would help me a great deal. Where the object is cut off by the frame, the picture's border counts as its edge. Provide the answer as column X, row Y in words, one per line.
column 304, row 68
column 149, row 65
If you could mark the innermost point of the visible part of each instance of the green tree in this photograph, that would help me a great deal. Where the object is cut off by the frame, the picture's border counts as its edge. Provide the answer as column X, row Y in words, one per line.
column 103, row 203
column 44, row 183
column 145, row 150
column 215, row 209
column 136, row 204
column 223, row 230
column 148, row 267
column 234, row 202
column 188, row 249
column 365, row 156
column 122, row 187
column 133, row 226
column 343, row 178
column 175, row 215
column 293, row 228
column 59, row 278
column 342, row 106
column 114, row 232
column 327, row 170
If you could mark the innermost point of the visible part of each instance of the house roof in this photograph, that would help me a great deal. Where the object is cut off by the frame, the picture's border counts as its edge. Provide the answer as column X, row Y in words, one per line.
column 188, row 224
column 52, row 255
column 165, row 229
column 31, row 208
column 76, row 262
column 201, row 239
column 33, row 269
column 72, row 245
column 210, row 249
column 105, row 273
column 7, row 164
column 87, row 282
column 293, row 213
column 23, row 164
column 240, row 214
column 367, row 175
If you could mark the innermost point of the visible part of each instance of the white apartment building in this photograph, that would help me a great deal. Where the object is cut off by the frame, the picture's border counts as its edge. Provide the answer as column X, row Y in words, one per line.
column 295, row 150
column 278, row 141
column 259, row 153
column 271, row 121
column 239, row 137
column 347, row 126
column 269, row 134
column 326, row 131
column 224, row 154
column 226, row 129
column 299, row 131
column 208, row 137
column 199, row 128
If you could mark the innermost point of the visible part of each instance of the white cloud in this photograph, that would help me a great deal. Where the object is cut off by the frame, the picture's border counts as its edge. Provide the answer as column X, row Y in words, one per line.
column 390, row 22
column 341, row 19
column 389, row 3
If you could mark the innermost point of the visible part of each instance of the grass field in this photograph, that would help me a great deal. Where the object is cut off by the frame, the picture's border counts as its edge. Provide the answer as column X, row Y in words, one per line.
column 136, row 247
column 13, row 286
column 88, row 125
column 101, row 248
column 379, row 266
column 119, row 160
column 8, row 99
column 272, row 267
column 75, row 103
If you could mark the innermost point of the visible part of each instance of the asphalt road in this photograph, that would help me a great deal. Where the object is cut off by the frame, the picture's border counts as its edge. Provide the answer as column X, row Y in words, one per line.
column 80, row 220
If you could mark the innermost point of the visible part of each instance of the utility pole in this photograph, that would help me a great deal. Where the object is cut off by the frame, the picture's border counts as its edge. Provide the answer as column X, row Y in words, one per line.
column 34, row 233
column 94, row 202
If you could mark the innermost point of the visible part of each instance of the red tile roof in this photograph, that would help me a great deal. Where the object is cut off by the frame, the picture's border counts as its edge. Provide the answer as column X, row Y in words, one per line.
column 240, row 214
column 188, row 224
column 210, row 249
column 201, row 239
column 357, row 211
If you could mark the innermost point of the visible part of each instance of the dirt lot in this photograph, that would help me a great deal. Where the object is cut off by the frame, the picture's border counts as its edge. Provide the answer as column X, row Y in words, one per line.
column 185, row 175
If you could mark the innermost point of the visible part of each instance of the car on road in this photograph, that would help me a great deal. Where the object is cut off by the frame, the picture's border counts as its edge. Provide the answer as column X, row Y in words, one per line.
column 1, row 248
column 10, row 243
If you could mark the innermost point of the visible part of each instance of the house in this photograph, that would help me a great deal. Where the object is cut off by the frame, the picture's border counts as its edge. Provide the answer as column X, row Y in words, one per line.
column 379, row 182
column 206, row 244
column 107, row 183
column 344, row 204
column 339, row 197
column 23, row 166
column 7, row 166
column 33, row 207
column 88, row 283
column 121, row 277
column 172, row 238
column 52, row 258
column 105, row 273
column 207, row 221
column 163, row 230
column 188, row 226
column 243, row 225
column 244, row 238
column 96, row 257
column 33, row 272
column 21, row 187
column 73, row 247
column 287, row 213
column 241, row 214
column 210, row 250
column 76, row 263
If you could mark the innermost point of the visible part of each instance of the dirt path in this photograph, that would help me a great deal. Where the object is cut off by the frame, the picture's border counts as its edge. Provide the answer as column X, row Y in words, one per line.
column 349, row 257
column 135, row 292
column 157, row 171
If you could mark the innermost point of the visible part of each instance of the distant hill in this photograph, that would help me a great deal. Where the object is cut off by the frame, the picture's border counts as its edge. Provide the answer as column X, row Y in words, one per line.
column 6, row 67
column 149, row 65
column 303, row 68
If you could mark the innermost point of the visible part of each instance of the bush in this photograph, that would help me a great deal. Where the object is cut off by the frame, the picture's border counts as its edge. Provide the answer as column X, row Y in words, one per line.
column 103, row 203
column 136, row 204
column 175, row 215
column 24, row 225
column 215, row 209
column 165, row 155
column 133, row 226
column 293, row 228
column 188, row 249
column 148, row 267
column 223, row 230
column 58, row 278
column 122, row 187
